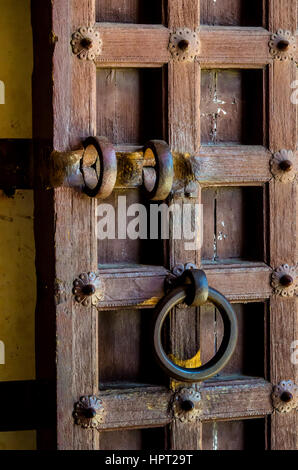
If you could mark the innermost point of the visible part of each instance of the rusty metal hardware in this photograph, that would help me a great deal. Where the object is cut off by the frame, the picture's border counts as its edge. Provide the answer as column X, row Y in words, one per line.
column 184, row 293
column 158, row 180
column 282, row 45
column 98, row 167
column 184, row 45
column 284, row 280
column 86, row 43
column 188, row 274
column 88, row 289
column 91, row 169
column 285, row 396
column 284, row 166
column 88, row 412
column 186, row 405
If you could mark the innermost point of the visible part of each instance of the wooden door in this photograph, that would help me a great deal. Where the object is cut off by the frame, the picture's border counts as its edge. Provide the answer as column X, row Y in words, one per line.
column 225, row 109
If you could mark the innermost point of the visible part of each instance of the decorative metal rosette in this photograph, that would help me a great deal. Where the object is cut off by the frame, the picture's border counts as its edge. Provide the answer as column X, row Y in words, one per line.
column 284, row 280
column 285, row 396
column 89, row 412
column 187, row 405
column 282, row 45
column 184, row 45
column 88, row 289
column 86, row 43
column 284, row 166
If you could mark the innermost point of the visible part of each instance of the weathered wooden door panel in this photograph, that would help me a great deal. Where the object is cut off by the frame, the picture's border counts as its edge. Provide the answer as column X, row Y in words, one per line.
column 225, row 113
column 235, row 435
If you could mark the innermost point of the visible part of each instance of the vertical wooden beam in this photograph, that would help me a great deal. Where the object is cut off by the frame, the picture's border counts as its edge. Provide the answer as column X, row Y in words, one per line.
column 83, row 256
column 184, row 136
column 64, row 113
column 184, row 83
column 283, row 224
column 282, row 14
column 186, row 436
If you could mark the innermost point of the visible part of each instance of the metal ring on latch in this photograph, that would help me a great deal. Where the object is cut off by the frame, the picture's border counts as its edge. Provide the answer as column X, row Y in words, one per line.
column 98, row 167
column 227, row 347
column 164, row 170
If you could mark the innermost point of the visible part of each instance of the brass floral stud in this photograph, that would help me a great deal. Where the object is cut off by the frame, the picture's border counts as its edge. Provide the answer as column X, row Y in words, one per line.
column 284, row 280
column 285, row 396
column 282, row 45
column 187, row 405
column 184, row 45
column 89, row 412
column 86, row 43
column 284, row 166
column 88, row 289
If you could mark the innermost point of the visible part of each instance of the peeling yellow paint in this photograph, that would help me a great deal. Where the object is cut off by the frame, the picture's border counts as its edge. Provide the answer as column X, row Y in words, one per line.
column 191, row 363
column 16, row 63
column 18, row 284
column 151, row 301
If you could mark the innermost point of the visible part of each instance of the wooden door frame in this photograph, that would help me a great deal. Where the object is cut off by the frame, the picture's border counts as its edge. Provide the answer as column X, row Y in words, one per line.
column 64, row 95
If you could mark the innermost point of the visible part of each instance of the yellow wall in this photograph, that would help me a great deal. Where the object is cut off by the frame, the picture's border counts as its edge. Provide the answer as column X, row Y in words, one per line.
column 15, row 68
column 17, row 274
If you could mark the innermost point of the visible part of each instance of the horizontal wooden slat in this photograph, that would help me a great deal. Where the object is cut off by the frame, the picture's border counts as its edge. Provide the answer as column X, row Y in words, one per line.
column 143, row 286
column 133, row 44
column 137, row 286
column 240, row 283
column 213, row 164
column 237, row 164
column 149, row 406
column 236, row 400
column 234, row 45
column 138, row 407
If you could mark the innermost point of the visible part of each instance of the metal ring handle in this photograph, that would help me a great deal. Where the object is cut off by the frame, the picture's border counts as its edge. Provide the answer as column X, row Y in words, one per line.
column 223, row 355
column 164, row 170
column 99, row 167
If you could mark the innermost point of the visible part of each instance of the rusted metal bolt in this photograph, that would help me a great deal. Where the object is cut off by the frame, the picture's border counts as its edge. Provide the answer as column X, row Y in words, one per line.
column 286, row 280
column 88, row 289
column 187, row 405
column 286, row 165
column 183, row 44
column 90, row 413
column 283, row 44
column 86, row 43
column 286, row 396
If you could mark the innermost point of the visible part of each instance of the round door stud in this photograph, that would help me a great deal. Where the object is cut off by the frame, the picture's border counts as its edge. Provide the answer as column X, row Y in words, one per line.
column 284, row 280
column 184, row 45
column 187, row 405
column 88, row 289
column 283, row 166
column 89, row 412
column 285, row 396
column 86, row 43
column 282, row 45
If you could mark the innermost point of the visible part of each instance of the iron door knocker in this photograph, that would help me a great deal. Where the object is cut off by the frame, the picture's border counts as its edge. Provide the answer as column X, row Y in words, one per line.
column 194, row 291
